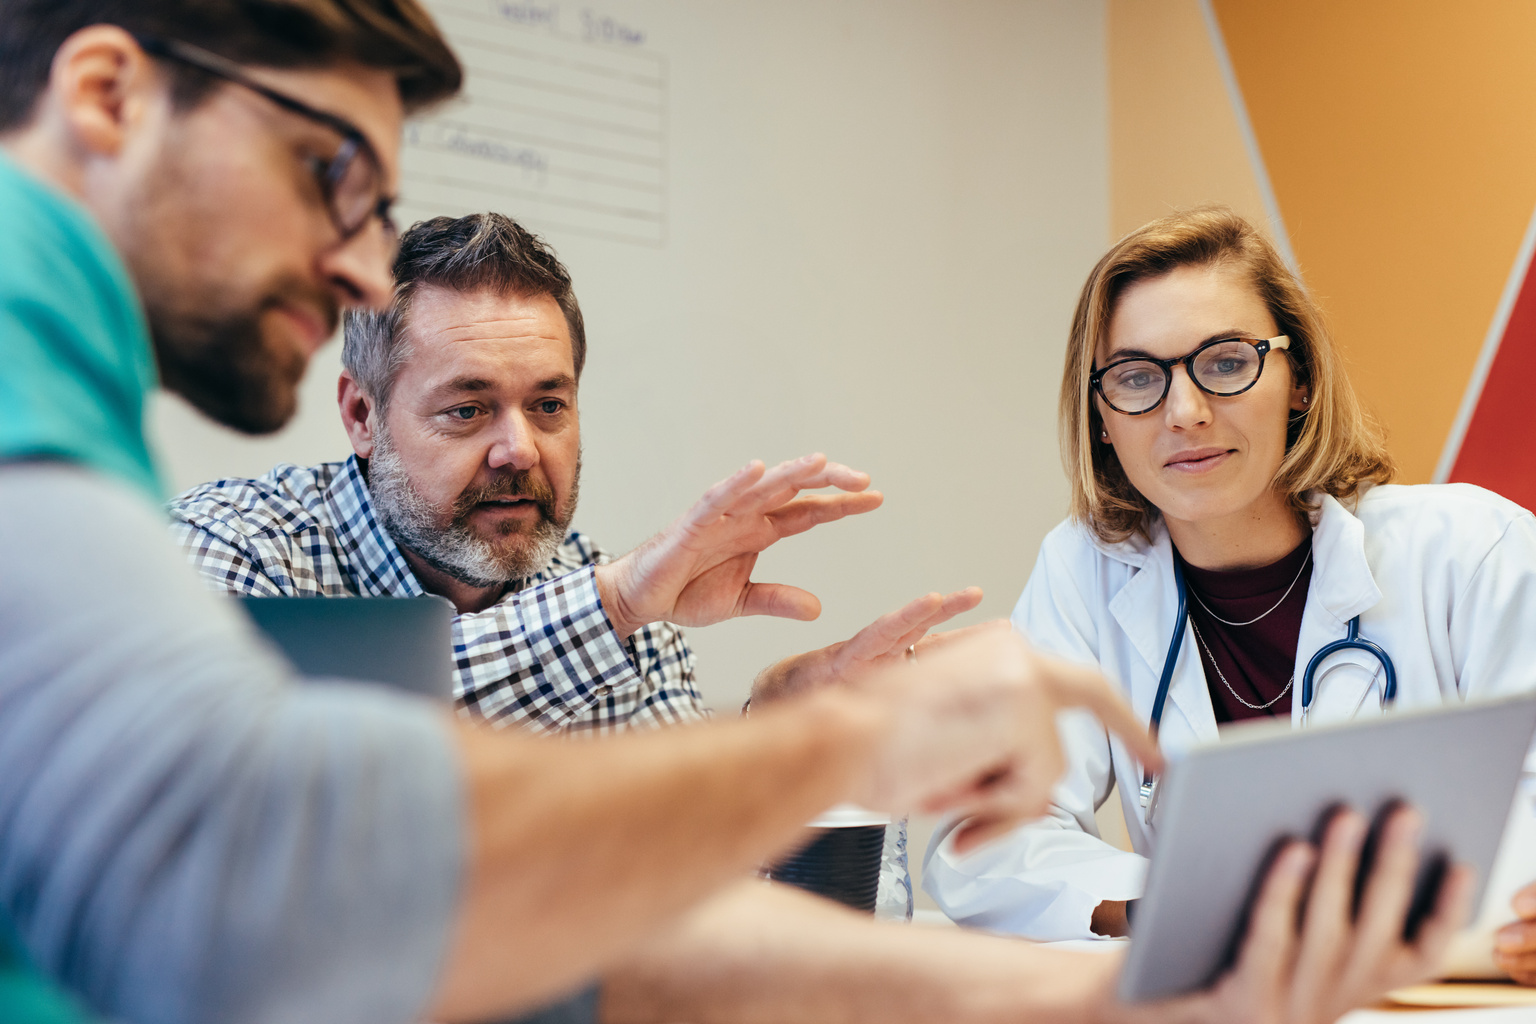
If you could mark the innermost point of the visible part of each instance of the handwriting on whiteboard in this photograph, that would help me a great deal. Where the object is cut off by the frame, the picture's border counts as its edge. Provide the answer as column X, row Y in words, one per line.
column 562, row 123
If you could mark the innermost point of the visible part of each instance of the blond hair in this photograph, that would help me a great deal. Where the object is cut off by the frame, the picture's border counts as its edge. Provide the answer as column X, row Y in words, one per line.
column 1333, row 447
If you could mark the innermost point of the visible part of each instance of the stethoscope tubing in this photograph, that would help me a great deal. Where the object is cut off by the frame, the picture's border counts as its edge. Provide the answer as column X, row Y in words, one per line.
column 1351, row 641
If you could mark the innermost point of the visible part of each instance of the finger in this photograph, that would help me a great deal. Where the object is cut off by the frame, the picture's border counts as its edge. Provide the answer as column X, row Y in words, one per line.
column 885, row 634
column 1269, row 947
column 1010, row 800
column 961, row 601
column 1009, row 792
column 813, row 510
column 781, row 479
column 914, row 636
column 1388, row 889
column 779, row 600
column 1524, row 902
column 942, row 641
column 1521, row 968
column 719, row 498
column 939, row 614
column 1330, row 903
column 1080, row 686
column 911, row 638
column 835, row 474
column 957, row 603
column 788, row 479
column 1453, row 908
column 1519, row 937
column 1326, row 928
column 812, row 472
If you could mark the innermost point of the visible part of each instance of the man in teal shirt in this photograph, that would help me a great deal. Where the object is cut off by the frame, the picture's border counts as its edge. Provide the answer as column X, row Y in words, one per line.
column 186, row 836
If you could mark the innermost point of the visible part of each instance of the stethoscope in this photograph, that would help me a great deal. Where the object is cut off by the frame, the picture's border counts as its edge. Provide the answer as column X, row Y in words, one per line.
column 1352, row 641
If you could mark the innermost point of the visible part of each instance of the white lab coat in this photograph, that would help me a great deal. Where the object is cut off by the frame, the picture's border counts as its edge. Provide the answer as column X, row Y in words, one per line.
column 1443, row 577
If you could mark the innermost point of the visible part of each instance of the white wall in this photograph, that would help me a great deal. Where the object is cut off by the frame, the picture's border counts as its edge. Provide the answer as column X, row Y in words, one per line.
column 879, row 215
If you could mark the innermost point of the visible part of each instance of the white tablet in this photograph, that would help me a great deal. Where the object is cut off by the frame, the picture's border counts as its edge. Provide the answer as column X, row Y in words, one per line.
column 1224, row 809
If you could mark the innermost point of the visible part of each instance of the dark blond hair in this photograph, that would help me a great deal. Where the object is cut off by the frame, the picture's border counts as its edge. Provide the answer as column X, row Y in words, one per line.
column 1333, row 447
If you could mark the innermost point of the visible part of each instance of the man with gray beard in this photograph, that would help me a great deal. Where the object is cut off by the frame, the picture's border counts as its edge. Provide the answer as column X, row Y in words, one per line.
column 460, row 401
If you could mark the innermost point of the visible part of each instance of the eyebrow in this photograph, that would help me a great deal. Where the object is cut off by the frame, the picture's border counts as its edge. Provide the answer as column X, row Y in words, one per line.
column 472, row 385
column 460, row 385
column 559, row 382
column 1141, row 353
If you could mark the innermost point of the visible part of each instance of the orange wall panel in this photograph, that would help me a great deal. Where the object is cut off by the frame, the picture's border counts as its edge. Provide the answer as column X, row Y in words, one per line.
column 1400, row 138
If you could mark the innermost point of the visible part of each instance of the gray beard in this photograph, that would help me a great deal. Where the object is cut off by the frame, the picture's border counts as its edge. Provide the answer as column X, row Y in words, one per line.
column 452, row 547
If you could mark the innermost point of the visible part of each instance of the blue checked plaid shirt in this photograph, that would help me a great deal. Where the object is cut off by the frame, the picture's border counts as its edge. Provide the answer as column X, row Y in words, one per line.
column 543, row 657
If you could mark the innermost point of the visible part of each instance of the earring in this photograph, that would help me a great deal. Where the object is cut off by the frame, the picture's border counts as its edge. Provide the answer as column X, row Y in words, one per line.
column 1306, row 399
column 1104, row 435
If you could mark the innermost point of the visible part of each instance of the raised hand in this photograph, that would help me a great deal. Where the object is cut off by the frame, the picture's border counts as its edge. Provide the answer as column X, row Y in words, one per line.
column 1338, row 957
column 699, row 570
column 882, row 642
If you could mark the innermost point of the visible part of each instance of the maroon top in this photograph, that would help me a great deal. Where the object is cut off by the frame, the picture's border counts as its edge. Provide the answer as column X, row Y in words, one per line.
column 1257, row 660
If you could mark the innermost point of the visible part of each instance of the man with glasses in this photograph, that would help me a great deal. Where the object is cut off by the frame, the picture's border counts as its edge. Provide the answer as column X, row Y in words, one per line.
column 189, row 836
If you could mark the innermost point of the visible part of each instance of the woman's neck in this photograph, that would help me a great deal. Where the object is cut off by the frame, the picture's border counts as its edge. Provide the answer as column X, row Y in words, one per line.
column 1259, row 535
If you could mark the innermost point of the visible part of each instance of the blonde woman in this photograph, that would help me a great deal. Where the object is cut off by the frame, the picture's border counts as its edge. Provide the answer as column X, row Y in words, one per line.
column 1209, row 431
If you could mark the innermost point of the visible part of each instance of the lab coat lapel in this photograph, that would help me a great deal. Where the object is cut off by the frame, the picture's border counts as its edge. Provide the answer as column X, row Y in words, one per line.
column 1145, row 609
column 1342, row 587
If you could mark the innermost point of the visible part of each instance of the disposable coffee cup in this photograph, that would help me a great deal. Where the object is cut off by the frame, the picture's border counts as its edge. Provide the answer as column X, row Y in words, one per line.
column 841, row 857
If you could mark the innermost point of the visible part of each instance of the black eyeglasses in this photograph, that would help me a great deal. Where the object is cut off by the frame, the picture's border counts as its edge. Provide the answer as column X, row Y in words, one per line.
column 352, row 181
column 1224, row 367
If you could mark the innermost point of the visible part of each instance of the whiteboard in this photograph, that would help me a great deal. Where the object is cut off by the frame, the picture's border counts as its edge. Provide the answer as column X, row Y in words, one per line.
column 563, row 118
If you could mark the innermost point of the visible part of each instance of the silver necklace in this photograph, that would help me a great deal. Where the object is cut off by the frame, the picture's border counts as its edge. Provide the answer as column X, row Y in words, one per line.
column 1272, row 607
column 1222, row 676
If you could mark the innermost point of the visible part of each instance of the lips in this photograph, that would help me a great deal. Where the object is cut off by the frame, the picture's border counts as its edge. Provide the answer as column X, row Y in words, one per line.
column 311, row 325
column 508, row 492
column 1197, row 458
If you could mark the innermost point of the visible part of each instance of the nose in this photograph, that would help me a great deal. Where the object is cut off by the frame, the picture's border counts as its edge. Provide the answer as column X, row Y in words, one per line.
column 1186, row 406
column 358, row 269
column 513, row 446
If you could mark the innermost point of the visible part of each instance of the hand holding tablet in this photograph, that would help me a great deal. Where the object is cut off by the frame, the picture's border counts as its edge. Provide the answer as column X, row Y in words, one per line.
column 1228, row 871
column 1339, row 957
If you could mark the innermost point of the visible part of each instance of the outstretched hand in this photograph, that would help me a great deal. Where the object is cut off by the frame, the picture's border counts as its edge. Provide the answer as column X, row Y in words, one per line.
column 699, row 570
column 888, row 639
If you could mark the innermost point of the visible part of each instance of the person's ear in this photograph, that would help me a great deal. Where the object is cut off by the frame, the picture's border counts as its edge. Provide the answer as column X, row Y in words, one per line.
column 100, row 89
column 1301, row 398
column 357, row 415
